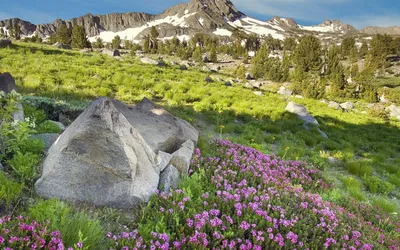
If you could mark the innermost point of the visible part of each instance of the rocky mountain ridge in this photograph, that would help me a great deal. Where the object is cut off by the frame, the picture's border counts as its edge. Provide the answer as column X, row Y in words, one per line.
column 218, row 17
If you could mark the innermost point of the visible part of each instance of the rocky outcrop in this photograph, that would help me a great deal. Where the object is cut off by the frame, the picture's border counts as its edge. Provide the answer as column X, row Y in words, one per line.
column 113, row 154
column 27, row 28
column 284, row 91
column 285, row 23
column 338, row 26
column 374, row 30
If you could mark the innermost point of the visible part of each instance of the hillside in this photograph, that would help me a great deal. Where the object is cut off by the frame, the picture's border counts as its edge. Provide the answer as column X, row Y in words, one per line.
column 280, row 186
column 184, row 20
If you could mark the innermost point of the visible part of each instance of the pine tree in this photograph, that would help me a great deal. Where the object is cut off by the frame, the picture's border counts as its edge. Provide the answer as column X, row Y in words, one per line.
column 116, row 43
column 307, row 55
column 64, row 34
column 364, row 49
column 146, row 45
column 154, row 39
column 335, row 71
column 197, row 55
column 241, row 72
column 258, row 67
column 53, row 38
column 213, row 55
column 99, row 43
column 79, row 39
column 348, row 45
column 289, row 44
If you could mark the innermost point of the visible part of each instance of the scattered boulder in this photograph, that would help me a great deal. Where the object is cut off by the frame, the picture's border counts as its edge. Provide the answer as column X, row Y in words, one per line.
column 147, row 60
column 208, row 79
column 258, row 93
column 253, row 85
column 113, row 154
column 248, row 76
column 5, row 42
column 169, row 179
column 334, row 105
column 208, row 69
column 7, row 83
column 228, row 84
column 299, row 97
column 302, row 113
column 284, row 91
column 47, row 138
column 394, row 111
column 347, row 106
column 109, row 52
column 205, row 58
column 183, row 67
column 86, row 50
column 63, row 46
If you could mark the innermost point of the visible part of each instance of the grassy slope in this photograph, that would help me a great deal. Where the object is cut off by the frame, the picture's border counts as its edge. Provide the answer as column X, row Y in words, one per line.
column 362, row 142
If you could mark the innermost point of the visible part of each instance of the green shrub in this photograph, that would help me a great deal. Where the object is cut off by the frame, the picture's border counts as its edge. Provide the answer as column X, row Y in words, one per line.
column 34, row 114
column 24, row 165
column 48, row 127
column 350, row 182
column 32, row 145
column 360, row 168
column 385, row 205
column 9, row 190
column 74, row 227
column 375, row 185
column 357, row 194
column 395, row 180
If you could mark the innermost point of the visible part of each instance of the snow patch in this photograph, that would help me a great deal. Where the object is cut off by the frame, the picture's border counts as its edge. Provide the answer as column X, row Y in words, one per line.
column 222, row 32
column 251, row 25
column 201, row 21
column 132, row 33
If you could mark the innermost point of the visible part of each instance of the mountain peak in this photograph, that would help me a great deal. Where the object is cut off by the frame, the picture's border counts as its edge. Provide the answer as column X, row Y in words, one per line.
column 224, row 8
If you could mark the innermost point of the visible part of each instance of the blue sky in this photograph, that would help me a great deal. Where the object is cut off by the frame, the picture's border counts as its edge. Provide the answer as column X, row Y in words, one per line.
column 359, row 13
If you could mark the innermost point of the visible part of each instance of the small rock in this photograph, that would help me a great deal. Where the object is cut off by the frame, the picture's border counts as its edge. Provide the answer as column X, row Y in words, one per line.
column 284, row 91
column 248, row 76
column 299, row 97
column 169, row 179
column 109, row 52
column 208, row 79
column 228, row 84
column 181, row 158
column 394, row 111
column 347, row 105
column 258, row 93
column 205, row 59
column 147, row 60
column 1, row 167
column 86, row 50
column 334, row 105
column 183, row 67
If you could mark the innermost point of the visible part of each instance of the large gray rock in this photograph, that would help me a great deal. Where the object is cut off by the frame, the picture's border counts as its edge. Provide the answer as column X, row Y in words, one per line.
column 334, row 105
column 113, row 154
column 147, row 60
column 63, row 46
column 394, row 111
column 7, row 83
column 4, row 42
column 302, row 113
column 169, row 179
column 181, row 158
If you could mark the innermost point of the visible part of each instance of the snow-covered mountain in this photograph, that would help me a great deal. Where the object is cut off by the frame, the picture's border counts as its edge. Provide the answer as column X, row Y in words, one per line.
column 218, row 17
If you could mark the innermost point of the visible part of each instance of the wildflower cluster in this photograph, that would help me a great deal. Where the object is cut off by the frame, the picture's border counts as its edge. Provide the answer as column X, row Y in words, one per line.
column 19, row 233
column 248, row 200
